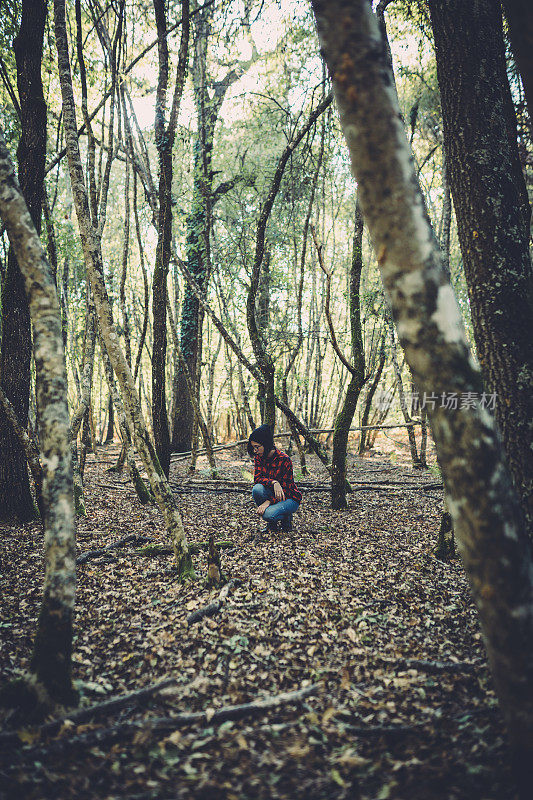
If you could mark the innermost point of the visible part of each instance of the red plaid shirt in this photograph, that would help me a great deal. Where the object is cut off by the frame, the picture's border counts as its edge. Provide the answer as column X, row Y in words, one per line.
column 278, row 468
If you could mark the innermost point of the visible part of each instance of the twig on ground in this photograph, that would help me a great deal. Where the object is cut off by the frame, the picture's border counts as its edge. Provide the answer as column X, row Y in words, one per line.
column 213, row 608
column 133, row 538
column 433, row 666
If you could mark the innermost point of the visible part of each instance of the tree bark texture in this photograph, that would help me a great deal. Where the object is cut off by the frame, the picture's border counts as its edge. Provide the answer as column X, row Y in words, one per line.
column 492, row 213
column 15, row 494
column 487, row 516
column 91, row 245
column 51, row 660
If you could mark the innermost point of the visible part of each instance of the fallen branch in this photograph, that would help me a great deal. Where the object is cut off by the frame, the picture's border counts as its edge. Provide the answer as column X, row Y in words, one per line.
column 165, row 725
column 12, row 738
column 213, row 608
column 434, row 667
column 131, row 538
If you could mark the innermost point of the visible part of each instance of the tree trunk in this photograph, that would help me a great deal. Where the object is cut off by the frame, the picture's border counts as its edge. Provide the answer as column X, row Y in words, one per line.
column 15, row 495
column 370, row 396
column 110, row 421
column 346, row 414
column 493, row 215
column 488, row 520
column 51, row 659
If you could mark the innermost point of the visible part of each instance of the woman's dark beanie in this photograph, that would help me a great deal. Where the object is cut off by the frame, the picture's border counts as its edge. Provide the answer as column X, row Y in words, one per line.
column 262, row 435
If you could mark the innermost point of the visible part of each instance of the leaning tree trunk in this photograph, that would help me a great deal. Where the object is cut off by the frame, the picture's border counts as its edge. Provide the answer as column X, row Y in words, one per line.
column 493, row 215
column 488, row 519
column 91, row 244
column 51, row 659
column 15, row 353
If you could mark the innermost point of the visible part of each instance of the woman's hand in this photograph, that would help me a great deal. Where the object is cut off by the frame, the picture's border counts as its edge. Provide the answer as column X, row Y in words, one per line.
column 279, row 494
column 263, row 507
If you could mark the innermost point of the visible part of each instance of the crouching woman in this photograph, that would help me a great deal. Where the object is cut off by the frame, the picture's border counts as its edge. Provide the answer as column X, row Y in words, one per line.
column 275, row 494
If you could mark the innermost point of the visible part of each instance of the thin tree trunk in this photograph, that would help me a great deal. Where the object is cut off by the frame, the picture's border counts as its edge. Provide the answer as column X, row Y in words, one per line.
column 401, row 395
column 339, row 483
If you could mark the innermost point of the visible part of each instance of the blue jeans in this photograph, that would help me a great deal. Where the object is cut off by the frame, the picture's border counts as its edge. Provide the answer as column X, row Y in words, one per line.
column 277, row 511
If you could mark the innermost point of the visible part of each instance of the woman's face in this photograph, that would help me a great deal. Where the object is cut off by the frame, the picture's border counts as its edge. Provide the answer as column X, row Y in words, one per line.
column 257, row 448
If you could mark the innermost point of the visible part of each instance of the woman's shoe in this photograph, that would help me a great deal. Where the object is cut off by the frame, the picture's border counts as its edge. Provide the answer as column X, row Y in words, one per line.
column 272, row 527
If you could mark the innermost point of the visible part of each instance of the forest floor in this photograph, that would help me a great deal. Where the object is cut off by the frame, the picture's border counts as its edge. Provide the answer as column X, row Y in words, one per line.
column 351, row 603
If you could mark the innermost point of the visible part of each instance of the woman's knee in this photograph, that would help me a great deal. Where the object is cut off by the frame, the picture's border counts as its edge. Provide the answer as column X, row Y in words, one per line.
column 270, row 513
column 259, row 492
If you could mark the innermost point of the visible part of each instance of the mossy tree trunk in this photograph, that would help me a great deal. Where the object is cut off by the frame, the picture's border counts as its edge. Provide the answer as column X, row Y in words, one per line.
column 51, row 659
column 488, row 519
column 259, row 345
column 208, row 96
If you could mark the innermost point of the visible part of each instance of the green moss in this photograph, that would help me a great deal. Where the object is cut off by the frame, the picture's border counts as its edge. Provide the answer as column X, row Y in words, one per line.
column 143, row 493
column 79, row 502
column 185, row 568
column 154, row 550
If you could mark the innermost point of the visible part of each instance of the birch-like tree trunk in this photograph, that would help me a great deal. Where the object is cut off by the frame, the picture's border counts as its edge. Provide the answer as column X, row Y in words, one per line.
column 91, row 244
column 51, row 659
column 488, row 519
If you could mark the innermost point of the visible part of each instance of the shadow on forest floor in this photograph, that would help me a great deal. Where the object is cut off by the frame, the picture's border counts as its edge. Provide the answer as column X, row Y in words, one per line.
column 352, row 601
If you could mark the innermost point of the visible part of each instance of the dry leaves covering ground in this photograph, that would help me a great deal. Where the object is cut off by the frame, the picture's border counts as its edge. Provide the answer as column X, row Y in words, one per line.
column 352, row 601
